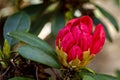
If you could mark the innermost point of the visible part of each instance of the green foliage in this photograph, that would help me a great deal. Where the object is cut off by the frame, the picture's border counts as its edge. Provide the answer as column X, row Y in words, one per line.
column 109, row 16
column 38, row 55
column 118, row 74
column 18, row 21
column 57, row 23
column 86, row 77
column 38, row 16
column 97, row 21
column 34, row 10
column 117, row 2
column 5, row 54
column 90, row 76
column 6, row 49
column 33, row 41
column 20, row 78
column 39, row 45
column 1, row 55
column 57, row 12
column 39, row 23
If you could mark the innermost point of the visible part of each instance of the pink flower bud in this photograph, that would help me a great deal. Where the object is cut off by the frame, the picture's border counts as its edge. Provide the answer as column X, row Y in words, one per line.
column 76, row 43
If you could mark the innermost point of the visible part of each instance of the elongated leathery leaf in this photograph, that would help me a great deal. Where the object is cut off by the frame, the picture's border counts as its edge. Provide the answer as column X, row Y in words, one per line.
column 96, row 76
column 33, row 41
column 33, row 10
column 97, row 21
column 104, row 77
column 39, row 24
column 109, row 16
column 39, row 19
column 57, row 23
column 37, row 55
column 19, row 21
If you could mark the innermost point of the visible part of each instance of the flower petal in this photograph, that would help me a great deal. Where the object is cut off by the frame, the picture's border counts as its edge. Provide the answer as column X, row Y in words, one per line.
column 73, row 22
column 86, row 23
column 98, row 39
column 85, row 41
column 67, row 42
column 75, row 52
column 76, row 32
column 61, row 34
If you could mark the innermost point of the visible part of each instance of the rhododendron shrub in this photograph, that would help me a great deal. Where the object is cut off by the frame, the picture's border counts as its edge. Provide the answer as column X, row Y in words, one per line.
column 25, row 54
column 78, row 42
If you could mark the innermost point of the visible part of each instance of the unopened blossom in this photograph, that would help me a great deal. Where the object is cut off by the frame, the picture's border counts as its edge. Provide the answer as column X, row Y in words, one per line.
column 77, row 43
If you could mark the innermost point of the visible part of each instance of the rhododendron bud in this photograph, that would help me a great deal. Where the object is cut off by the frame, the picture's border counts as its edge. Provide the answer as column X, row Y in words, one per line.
column 77, row 43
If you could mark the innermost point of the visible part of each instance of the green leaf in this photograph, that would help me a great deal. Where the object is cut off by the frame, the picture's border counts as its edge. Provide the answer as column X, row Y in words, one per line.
column 50, row 78
column 16, row 22
column 39, row 24
column 38, row 17
column 6, row 49
column 33, row 41
column 1, row 54
column 57, row 23
column 118, row 74
column 34, row 9
column 20, row 78
column 104, row 77
column 86, row 77
column 88, row 69
column 97, row 21
column 37, row 55
column 96, row 76
column 117, row 2
column 109, row 16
